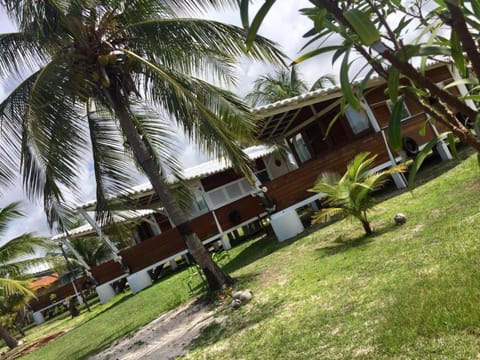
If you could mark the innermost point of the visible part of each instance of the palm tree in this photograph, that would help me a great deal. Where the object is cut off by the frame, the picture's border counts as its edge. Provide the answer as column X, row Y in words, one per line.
column 283, row 84
column 92, row 250
column 118, row 75
column 13, row 263
column 323, row 82
column 351, row 194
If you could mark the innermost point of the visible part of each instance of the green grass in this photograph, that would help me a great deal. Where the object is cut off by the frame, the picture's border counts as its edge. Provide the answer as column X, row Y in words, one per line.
column 408, row 292
column 122, row 316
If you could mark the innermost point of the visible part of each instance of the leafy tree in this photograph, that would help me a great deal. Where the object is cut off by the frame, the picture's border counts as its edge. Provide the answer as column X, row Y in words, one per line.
column 351, row 194
column 13, row 265
column 118, row 74
column 283, row 84
column 377, row 31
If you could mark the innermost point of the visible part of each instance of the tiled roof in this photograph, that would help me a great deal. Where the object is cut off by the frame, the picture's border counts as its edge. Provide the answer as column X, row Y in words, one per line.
column 43, row 281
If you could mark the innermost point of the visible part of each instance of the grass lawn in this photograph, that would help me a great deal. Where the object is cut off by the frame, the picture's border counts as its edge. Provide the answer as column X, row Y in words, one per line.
column 407, row 292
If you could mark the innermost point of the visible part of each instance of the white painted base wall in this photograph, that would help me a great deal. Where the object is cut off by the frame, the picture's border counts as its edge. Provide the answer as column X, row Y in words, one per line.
column 286, row 224
column 105, row 292
column 139, row 281
column 38, row 317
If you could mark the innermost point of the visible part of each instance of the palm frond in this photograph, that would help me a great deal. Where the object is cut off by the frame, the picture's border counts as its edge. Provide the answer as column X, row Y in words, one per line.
column 53, row 116
column 13, row 110
column 326, row 183
column 358, row 168
column 111, row 163
column 377, row 180
column 92, row 250
column 187, row 40
column 325, row 215
column 9, row 287
column 199, row 7
column 323, row 82
column 209, row 115
column 19, row 55
column 23, row 245
column 8, row 213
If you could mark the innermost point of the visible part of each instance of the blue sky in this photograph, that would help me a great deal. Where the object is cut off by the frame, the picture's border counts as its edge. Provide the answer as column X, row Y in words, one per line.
column 283, row 24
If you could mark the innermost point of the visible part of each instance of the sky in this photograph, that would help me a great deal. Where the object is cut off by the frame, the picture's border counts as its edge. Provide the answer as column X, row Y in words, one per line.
column 283, row 24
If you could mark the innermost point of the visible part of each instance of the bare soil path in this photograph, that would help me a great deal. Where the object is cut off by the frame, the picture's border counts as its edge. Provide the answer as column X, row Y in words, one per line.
column 167, row 337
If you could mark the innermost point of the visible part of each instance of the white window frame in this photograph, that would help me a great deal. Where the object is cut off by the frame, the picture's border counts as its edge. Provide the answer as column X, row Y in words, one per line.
column 245, row 187
column 199, row 198
column 300, row 147
column 355, row 117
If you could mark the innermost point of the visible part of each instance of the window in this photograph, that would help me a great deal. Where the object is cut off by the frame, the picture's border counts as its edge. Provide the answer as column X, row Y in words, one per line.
column 233, row 190
column 405, row 112
column 358, row 120
column 229, row 193
column 198, row 205
column 300, row 147
column 217, row 197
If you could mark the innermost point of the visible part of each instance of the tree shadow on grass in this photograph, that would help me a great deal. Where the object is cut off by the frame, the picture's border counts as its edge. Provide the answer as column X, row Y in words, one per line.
column 126, row 297
column 342, row 243
column 256, row 250
column 249, row 315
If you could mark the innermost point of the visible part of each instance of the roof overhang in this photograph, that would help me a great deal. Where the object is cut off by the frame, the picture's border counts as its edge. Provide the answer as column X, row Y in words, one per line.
column 281, row 119
column 143, row 195
column 118, row 217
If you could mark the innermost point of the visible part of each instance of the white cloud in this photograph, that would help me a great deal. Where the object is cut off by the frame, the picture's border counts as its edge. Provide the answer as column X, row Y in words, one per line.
column 286, row 26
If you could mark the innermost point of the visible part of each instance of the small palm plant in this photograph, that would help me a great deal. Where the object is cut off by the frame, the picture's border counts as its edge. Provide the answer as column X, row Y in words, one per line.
column 351, row 194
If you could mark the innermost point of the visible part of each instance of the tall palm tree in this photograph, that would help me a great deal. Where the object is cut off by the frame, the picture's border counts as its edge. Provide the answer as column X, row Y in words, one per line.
column 283, row 84
column 92, row 250
column 351, row 194
column 118, row 74
column 13, row 263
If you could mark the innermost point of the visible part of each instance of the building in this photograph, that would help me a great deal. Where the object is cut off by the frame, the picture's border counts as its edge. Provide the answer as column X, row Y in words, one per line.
column 225, row 201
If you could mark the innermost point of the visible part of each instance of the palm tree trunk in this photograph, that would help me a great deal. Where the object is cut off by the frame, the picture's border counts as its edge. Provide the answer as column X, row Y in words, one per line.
column 9, row 339
column 216, row 278
column 365, row 223
column 366, row 227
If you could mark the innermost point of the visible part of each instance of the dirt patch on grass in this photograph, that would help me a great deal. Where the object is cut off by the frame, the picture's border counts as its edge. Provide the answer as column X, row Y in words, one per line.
column 32, row 346
column 167, row 337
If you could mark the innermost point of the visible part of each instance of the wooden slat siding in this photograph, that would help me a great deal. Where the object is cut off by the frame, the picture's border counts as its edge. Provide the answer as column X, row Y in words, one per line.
column 377, row 98
column 411, row 129
column 248, row 207
column 153, row 250
column 61, row 293
column 162, row 222
column 107, row 271
column 216, row 180
column 291, row 188
column 440, row 74
column 205, row 226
